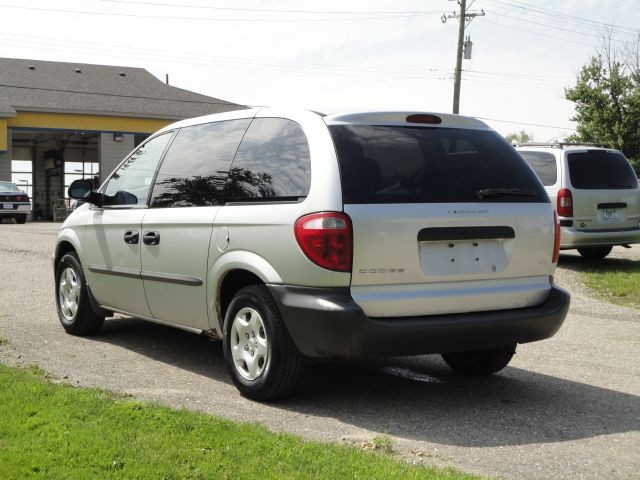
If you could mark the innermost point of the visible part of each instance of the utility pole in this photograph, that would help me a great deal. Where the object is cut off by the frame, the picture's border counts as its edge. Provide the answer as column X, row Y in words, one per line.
column 464, row 18
column 458, row 79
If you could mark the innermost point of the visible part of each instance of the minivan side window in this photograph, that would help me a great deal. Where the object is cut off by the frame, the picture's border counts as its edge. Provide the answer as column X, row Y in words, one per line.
column 194, row 170
column 130, row 183
column 272, row 162
column 544, row 164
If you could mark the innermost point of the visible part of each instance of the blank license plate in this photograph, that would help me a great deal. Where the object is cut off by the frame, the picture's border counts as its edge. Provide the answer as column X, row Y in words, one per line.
column 610, row 214
column 7, row 206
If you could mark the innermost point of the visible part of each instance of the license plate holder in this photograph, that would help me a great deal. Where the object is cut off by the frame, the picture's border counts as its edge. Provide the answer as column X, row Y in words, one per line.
column 610, row 214
column 463, row 257
column 7, row 206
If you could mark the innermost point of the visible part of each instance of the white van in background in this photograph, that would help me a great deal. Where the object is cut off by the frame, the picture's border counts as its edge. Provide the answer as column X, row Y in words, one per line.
column 595, row 191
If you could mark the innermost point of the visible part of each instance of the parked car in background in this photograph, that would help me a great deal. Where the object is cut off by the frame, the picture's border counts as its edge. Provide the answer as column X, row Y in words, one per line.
column 290, row 234
column 595, row 192
column 14, row 203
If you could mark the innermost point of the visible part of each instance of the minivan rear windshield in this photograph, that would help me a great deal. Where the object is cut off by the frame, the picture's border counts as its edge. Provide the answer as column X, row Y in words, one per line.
column 397, row 164
column 600, row 169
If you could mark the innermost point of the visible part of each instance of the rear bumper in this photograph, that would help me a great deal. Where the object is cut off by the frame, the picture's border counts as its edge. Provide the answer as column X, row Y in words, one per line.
column 18, row 210
column 326, row 322
column 572, row 238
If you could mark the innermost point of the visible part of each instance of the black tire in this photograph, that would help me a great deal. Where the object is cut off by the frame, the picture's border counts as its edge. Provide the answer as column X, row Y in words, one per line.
column 281, row 372
column 21, row 219
column 595, row 253
column 84, row 320
column 482, row 362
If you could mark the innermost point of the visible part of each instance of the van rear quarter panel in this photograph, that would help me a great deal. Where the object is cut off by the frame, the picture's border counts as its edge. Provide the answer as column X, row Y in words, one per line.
column 261, row 236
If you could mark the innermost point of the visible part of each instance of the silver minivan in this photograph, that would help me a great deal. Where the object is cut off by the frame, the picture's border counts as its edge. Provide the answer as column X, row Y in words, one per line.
column 595, row 191
column 289, row 234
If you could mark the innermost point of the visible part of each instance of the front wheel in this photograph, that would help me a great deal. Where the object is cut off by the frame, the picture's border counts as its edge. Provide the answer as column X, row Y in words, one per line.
column 481, row 362
column 72, row 298
column 262, row 359
column 595, row 253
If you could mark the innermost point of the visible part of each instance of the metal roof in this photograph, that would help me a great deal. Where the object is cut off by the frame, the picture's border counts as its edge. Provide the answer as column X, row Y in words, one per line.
column 61, row 87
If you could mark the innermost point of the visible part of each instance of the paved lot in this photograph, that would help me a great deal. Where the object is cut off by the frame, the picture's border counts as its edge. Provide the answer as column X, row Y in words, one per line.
column 568, row 407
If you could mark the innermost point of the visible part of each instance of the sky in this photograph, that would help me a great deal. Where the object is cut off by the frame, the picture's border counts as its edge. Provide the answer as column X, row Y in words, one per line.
column 337, row 55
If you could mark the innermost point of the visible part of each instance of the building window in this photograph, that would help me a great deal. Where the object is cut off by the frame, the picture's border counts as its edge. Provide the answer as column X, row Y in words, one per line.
column 22, row 175
column 139, row 138
column 80, row 170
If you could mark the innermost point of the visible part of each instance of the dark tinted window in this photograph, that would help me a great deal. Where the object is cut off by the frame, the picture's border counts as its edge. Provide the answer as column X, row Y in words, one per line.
column 544, row 164
column 384, row 164
column 597, row 169
column 195, row 168
column 130, row 183
column 272, row 162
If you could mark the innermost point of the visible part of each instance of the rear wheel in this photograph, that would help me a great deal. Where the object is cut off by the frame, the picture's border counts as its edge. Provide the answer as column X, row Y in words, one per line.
column 263, row 361
column 21, row 219
column 481, row 362
column 72, row 298
column 595, row 253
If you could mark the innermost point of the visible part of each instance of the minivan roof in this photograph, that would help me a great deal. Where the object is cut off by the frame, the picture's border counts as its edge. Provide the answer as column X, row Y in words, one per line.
column 565, row 145
column 401, row 117
column 362, row 117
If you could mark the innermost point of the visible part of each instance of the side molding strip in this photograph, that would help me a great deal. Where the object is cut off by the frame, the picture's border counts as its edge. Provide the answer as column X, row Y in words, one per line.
column 171, row 278
column 120, row 272
column 154, row 276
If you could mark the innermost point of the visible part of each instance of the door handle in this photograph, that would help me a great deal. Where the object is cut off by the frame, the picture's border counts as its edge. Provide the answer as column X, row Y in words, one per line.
column 131, row 237
column 151, row 238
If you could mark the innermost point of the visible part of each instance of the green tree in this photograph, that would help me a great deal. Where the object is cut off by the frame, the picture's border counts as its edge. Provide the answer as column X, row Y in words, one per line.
column 520, row 137
column 607, row 100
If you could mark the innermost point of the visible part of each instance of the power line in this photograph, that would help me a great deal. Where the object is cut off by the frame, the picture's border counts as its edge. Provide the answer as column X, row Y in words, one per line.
column 564, row 29
column 514, row 84
column 262, row 20
column 516, row 74
column 541, row 34
column 556, row 13
column 524, row 123
column 267, row 10
column 299, row 67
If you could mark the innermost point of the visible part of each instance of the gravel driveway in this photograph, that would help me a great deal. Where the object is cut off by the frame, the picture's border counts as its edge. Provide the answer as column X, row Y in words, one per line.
column 568, row 407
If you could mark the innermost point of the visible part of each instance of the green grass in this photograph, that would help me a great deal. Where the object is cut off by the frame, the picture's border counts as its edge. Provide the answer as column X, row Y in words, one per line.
column 52, row 430
column 4, row 341
column 382, row 444
column 616, row 283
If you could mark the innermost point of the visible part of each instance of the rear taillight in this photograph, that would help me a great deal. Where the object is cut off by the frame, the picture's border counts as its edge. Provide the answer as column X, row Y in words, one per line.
column 326, row 239
column 556, row 239
column 22, row 198
column 565, row 203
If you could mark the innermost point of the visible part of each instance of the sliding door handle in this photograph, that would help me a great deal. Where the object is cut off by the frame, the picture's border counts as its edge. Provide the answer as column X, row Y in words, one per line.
column 131, row 237
column 151, row 238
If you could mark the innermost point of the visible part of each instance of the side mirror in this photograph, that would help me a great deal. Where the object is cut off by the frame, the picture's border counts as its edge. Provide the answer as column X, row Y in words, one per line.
column 83, row 190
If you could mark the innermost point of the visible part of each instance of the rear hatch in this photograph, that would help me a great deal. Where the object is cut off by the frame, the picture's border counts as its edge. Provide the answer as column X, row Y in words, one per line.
column 604, row 190
column 445, row 219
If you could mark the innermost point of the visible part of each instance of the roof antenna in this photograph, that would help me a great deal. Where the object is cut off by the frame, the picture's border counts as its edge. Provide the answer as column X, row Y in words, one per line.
column 166, row 78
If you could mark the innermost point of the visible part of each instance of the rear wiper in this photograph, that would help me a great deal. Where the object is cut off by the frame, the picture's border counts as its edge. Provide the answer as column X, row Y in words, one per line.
column 503, row 192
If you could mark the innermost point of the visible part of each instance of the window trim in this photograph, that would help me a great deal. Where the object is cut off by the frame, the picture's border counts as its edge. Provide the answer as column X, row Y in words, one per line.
column 103, row 187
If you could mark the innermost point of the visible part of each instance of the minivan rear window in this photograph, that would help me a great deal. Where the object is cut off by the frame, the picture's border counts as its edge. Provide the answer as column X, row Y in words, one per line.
column 397, row 164
column 600, row 169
